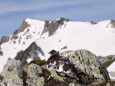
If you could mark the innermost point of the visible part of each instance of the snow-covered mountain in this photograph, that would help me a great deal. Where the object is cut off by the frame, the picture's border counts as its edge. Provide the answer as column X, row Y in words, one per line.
column 60, row 34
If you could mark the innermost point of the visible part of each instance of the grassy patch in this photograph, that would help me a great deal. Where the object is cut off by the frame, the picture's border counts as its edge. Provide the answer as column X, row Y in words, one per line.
column 38, row 62
column 107, row 63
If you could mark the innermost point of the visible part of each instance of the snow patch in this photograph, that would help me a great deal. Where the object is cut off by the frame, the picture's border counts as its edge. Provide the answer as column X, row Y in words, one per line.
column 29, row 60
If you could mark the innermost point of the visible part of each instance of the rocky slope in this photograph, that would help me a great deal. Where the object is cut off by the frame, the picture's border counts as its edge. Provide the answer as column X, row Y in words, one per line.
column 69, row 68
column 40, row 37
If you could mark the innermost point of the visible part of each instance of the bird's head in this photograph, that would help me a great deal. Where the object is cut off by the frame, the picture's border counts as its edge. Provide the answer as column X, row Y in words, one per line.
column 53, row 52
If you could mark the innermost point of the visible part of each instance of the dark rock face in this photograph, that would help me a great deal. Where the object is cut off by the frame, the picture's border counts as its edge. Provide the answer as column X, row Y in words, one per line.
column 4, row 39
column 32, row 51
column 52, row 26
column 1, row 53
column 14, row 37
column 111, row 24
column 22, row 27
column 55, row 82
column 92, row 22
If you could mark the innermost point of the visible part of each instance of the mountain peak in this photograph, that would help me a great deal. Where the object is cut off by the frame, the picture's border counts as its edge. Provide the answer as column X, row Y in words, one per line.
column 62, row 19
column 22, row 27
column 31, row 20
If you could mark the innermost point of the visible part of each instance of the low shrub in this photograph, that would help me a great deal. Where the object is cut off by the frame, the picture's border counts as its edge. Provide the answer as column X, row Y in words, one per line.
column 38, row 62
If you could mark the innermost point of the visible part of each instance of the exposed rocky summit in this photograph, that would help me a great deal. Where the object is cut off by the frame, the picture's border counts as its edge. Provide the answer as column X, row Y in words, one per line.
column 69, row 68
column 22, row 27
column 52, row 26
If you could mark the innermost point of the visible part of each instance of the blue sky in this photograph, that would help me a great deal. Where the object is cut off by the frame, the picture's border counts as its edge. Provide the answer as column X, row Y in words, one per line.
column 13, row 12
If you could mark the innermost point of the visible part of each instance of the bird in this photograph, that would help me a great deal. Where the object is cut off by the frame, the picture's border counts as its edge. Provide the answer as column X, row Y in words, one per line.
column 60, row 64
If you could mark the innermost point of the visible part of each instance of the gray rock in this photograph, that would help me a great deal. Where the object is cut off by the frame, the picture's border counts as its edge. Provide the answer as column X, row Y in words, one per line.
column 22, row 28
column 34, row 70
column 52, row 26
column 34, row 73
column 112, row 24
column 2, row 84
column 12, row 73
column 32, row 51
column 12, row 65
column 69, row 68
column 4, row 39
column 88, row 63
column 81, row 65
column 14, row 37
column 1, row 53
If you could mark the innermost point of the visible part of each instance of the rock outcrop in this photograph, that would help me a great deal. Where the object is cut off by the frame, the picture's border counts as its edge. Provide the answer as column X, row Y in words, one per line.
column 4, row 39
column 69, row 68
column 12, row 73
column 32, row 52
column 111, row 24
column 52, row 26
column 81, row 65
column 15, row 75
column 21, row 28
column 34, row 75
column 1, row 53
column 106, row 61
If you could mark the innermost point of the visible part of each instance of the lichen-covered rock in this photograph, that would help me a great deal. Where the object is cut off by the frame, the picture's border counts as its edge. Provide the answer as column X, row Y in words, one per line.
column 12, row 65
column 2, row 84
column 69, row 68
column 34, row 74
column 81, row 65
column 12, row 73
column 56, row 76
column 88, row 63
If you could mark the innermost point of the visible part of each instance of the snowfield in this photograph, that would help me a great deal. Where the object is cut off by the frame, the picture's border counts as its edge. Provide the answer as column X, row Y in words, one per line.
column 98, row 38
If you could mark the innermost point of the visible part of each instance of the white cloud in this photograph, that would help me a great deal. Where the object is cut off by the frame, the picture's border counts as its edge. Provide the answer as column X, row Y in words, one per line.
column 99, row 9
column 9, row 6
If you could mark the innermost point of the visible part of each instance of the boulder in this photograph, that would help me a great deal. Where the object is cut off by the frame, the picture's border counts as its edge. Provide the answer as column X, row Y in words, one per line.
column 69, row 68
column 31, row 53
column 81, row 65
column 12, row 73
column 34, row 74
